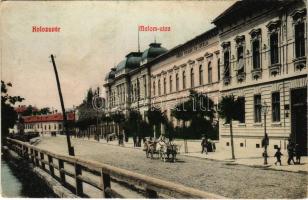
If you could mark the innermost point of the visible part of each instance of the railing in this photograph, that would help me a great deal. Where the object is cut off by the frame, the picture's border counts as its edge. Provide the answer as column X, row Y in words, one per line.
column 151, row 186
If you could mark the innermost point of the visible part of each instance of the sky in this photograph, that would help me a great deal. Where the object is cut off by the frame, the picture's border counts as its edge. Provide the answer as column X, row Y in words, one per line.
column 94, row 36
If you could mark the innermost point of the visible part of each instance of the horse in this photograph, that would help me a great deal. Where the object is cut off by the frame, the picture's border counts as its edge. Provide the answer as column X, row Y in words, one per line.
column 167, row 148
column 150, row 148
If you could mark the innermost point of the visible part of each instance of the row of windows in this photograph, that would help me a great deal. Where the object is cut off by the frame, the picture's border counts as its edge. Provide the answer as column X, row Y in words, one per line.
column 274, row 49
column 184, row 81
column 258, row 108
column 32, row 126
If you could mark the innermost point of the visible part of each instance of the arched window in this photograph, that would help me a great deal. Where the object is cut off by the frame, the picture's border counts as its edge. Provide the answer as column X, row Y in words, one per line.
column 209, row 71
column 184, row 80
column 177, row 82
column 192, row 80
column 201, row 75
column 170, row 83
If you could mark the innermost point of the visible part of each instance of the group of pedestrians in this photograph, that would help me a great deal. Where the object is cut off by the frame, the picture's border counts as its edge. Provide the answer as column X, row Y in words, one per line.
column 293, row 151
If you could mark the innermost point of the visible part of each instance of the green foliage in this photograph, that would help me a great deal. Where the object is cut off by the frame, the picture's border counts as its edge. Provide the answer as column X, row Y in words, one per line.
column 199, row 110
column 132, row 123
column 228, row 108
column 8, row 113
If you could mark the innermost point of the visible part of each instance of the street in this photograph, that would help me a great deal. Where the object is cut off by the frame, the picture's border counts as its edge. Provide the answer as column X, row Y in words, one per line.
column 226, row 179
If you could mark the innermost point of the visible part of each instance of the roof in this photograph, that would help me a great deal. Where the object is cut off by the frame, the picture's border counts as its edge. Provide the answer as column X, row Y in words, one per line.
column 48, row 118
column 111, row 74
column 246, row 7
column 204, row 36
column 131, row 61
column 153, row 51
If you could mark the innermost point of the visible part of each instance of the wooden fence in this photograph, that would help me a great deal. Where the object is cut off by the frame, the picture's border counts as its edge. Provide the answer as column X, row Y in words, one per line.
column 50, row 162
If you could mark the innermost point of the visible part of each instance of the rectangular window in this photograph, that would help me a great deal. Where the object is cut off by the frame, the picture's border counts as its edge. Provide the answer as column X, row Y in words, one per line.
column 170, row 86
column 276, row 107
column 257, row 108
column 300, row 40
column 218, row 69
column 159, row 88
column 274, row 48
column 200, row 75
column 256, row 54
column 177, row 82
column 226, row 64
column 165, row 85
column 240, row 60
column 210, row 73
column 192, row 81
column 241, row 109
column 184, row 80
column 154, row 88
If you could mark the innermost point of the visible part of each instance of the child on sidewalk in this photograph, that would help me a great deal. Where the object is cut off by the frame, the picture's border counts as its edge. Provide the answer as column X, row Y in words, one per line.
column 278, row 155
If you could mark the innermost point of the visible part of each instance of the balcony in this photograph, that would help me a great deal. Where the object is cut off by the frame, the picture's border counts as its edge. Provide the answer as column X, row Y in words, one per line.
column 256, row 73
column 299, row 63
column 274, row 69
column 227, row 80
column 241, row 76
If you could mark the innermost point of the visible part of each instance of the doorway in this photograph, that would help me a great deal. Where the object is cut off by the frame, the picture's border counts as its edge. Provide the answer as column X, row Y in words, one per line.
column 299, row 118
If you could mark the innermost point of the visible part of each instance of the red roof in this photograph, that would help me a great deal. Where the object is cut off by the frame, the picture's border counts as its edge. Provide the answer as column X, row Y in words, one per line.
column 48, row 118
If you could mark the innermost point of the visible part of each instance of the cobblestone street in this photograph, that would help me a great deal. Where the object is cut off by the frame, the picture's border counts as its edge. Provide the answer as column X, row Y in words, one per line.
column 226, row 179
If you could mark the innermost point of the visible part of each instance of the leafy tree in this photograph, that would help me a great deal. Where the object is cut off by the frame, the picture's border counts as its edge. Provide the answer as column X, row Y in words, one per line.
column 119, row 119
column 155, row 117
column 8, row 113
column 44, row 111
column 132, row 123
column 228, row 110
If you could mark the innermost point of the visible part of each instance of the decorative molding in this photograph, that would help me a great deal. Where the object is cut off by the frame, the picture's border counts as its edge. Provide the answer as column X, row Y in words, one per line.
column 184, row 65
column 275, row 87
column 208, row 54
column 225, row 45
column 239, row 39
column 200, row 58
column 257, row 90
column 255, row 33
column 299, row 15
column 273, row 26
column 299, row 63
column 299, row 83
column 189, row 62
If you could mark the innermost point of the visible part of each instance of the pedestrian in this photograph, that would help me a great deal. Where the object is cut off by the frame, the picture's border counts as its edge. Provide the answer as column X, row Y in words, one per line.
column 204, row 145
column 298, row 154
column 278, row 155
column 290, row 148
column 134, row 140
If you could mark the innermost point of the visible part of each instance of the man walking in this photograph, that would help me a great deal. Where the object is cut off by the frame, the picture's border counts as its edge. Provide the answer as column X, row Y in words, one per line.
column 204, row 145
column 290, row 148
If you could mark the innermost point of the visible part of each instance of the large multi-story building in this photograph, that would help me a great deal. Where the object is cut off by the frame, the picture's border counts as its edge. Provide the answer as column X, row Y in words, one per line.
column 257, row 52
column 264, row 62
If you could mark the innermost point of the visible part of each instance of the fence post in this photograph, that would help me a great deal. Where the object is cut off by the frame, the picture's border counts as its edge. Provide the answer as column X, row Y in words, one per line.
column 37, row 162
column 50, row 163
column 32, row 156
column 79, row 189
column 105, row 183
column 62, row 173
column 151, row 194
column 42, row 160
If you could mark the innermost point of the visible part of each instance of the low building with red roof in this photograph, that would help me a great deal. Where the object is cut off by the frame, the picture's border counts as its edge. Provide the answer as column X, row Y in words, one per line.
column 46, row 124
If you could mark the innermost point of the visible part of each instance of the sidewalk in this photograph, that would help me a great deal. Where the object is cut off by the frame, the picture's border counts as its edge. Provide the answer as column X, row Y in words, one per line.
column 253, row 159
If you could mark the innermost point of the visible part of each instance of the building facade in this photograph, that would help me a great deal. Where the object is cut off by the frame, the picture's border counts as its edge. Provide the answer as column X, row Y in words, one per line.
column 257, row 52
column 46, row 124
column 263, row 53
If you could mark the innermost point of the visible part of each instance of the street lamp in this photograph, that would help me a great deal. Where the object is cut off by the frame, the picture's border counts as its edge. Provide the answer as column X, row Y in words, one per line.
column 265, row 140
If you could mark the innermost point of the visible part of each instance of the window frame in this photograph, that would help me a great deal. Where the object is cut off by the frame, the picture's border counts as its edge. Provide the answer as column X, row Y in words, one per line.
column 257, row 109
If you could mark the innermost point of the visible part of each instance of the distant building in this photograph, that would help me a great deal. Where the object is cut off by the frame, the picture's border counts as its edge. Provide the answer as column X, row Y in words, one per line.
column 46, row 124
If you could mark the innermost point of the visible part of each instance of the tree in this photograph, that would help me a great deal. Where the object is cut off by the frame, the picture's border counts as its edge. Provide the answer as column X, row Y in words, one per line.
column 228, row 110
column 119, row 119
column 8, row 113
column 132, row 123
column 155, row 117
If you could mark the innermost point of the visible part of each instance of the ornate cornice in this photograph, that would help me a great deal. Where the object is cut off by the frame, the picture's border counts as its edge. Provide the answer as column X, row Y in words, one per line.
column 273, row 25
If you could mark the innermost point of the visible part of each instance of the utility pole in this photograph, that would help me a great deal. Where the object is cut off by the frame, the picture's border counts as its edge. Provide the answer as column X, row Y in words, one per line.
column 70, row 148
